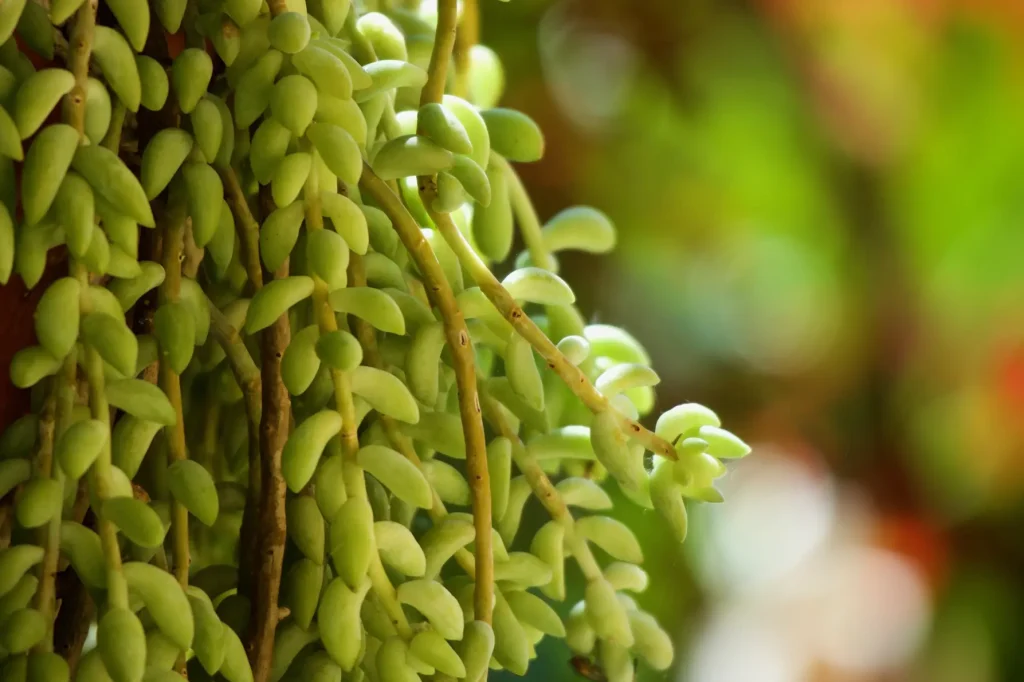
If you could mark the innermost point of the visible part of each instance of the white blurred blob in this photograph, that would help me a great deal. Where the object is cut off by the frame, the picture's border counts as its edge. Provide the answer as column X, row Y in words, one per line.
column 778, row 514
column 871, row 609
column 732, row 647
column 798, row 586
column 587, row 70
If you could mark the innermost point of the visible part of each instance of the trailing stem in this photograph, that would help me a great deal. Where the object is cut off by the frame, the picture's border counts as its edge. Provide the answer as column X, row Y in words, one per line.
column 440, row 294
column 273, row 432
column 368, row 340
column 170, row 384
column 573, row 377
column 100, row 472
column 542, row 488
column 467, row 36
column 247, row 227
column 56, row 419
column 355, row 482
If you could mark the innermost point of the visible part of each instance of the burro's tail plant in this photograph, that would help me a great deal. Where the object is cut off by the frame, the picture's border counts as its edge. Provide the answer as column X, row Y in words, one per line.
column 288, row 428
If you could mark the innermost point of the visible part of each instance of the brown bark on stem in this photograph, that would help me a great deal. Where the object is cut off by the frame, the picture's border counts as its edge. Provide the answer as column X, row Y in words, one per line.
column 273, row 433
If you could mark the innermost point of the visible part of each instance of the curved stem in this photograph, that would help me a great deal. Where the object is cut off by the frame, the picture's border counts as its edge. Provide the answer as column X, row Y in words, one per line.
column 444, row 42
column 526, row 217
column 112, row 140
column 459, row 343
column 573, row 377
column 368, row 340
column 542, row 488
column 246, row 226
column 247, row 374
column 467, row 36
column 244, row 369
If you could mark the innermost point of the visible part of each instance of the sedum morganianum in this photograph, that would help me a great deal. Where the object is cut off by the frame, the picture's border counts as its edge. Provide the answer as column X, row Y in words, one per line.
column 286, row 420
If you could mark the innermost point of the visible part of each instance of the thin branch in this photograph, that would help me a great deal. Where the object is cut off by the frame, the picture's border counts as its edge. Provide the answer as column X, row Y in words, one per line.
column 526, row 217
column 49, row 535
column 368, row 340
column 248, row 230
column 244, row 369
column 52, row 426
column 80, row 50
column 460, row 344
column 467, row 36
column 100, row 477
column 542, row 487
column 444, row 41
column 247, row 374
column 170, row 383
column 573, row 377
column 273, row 433
column 247, row 227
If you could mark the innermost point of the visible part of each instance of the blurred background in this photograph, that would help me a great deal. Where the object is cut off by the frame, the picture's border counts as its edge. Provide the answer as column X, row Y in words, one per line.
column 821, row 217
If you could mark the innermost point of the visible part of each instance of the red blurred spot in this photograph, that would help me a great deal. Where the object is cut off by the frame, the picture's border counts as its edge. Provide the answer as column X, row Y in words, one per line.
column 919, row 541
column 1010, row 379
column 19, row 307
column 175, row 43
column 38, row 61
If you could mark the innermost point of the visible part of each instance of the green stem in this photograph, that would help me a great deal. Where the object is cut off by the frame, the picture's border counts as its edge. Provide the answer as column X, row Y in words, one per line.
column 244, row 369
column 526, row 217
column 64, row 386
column 100, row 477
column 542, row 488
column 100, row 473
column 573, row 377
column 468, row 35
column 64, row 393
column 368, row 340
column 444, row 42
column 78, row 63
column 247, row 227
column 247, row 374
column 459, row 343
column 273, row 433
column 355, row 481
column 112, row 140
column 170, row 384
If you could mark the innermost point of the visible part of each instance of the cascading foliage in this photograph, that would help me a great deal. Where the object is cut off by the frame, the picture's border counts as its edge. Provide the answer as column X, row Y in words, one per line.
column 286, row 420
